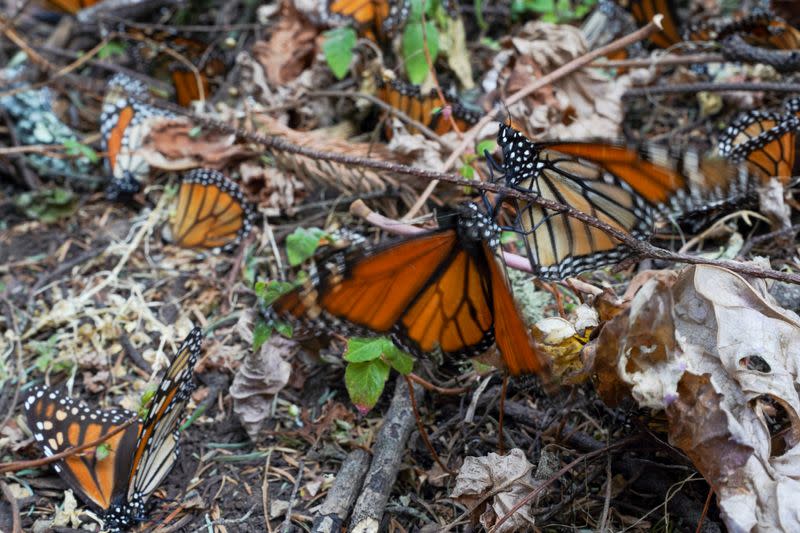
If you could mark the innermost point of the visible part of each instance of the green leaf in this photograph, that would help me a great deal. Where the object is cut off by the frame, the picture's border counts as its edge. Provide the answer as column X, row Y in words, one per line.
column 360, row 350
column 478, row 4
column 417, row 7
column 147, row 395
column 467, row 172
column 195, row 132
column 398, row 359
column 365, row 382
column 284, row 329
column 48, row 205
column 270, row 291
column 414, row 52
column 76, row 148
column 302, row 244
column 195, row 415
column 261, row 333
column 338, row 49
column 487, row 145
column 102, row 451
column 112, row 48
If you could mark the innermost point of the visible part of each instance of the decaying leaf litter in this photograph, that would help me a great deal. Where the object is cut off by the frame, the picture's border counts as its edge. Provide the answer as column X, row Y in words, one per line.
column 675, row 401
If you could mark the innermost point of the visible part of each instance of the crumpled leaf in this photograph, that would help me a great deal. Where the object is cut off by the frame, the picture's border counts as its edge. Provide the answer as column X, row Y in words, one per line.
column 67, row 515
column 177, row 144
column 453, row 41
column 290, row 49
column 512, row 473
column 262, row 375
column 582, row 103
column 723, row 358
column 771, row 202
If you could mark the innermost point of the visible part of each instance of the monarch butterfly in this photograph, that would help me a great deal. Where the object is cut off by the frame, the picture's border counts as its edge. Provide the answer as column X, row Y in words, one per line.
column 382, row 17
column 761, row 28
column 441, row 288
column 123, row 127
column 139, row 458
column 71, row 6
column 150, row 53
column 624, row 187
column 186, row 84
column 409, row 99
column 643, row 12
column 211, row 212
column 766, row 141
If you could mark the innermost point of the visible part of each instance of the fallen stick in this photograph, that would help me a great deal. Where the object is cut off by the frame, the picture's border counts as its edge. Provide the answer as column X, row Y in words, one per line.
column 342, row 494
column 387, row 455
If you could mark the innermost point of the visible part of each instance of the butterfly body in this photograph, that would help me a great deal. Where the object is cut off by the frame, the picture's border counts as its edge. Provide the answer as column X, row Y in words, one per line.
column 440, row 289
column 139, row 457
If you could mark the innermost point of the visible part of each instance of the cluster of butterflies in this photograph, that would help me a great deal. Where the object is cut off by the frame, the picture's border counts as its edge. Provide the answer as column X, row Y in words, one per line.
column 443, row 288
column 760, row 28
column 116, row 478
column 211, row 211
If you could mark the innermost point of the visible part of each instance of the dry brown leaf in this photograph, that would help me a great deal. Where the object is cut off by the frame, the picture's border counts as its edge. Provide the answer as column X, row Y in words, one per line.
column 171, row 145
column 347, row 179
column 290, row 49
column 720, row 355
column 581, row 104
column 510, row 475
column 259, row 379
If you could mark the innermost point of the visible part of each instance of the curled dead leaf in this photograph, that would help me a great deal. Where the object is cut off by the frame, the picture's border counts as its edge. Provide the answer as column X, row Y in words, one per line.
column 262, row 375
column 172, row 144
column 723, row 358
column 510, row 476
column 580, row 104
column 290, row 49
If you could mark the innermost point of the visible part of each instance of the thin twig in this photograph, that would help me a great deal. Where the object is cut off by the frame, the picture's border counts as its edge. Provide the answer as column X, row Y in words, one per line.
column 455, row 391
column 422, row 433
column 705, row 510
column 565, row 70
column 642, row 249
column 658, row 61
column 558, row 475
column 693, row 88
column 287, row 522
column 501, row 445
column 16, row 466
column 12, row 501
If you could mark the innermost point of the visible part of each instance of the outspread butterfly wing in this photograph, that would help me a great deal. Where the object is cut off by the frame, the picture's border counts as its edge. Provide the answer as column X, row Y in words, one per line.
column 767, row 141
column 58, row 423
column 157, row 447
column 211, row 212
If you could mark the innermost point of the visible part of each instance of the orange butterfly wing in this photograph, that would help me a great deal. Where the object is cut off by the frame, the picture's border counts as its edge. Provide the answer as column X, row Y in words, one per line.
column 516, row 346
column 211, row 212
column 58, row 423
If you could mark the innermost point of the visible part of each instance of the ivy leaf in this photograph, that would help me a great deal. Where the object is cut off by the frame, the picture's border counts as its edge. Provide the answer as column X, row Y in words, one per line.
column 102, row 451
column 270, row 291
column 414, row 51
column 365, row 382
column 302, row 244
column 362, row 350
column 338, row 50
column 148, row 394
column 261, row 333
column 398, row 359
